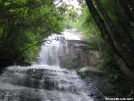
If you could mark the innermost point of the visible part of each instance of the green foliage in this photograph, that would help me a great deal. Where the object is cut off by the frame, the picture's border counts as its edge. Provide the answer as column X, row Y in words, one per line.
column 24, row 23
column 69, row 64
column 108, row 63
column 86, row 25
column 90, row 74
column 1, row 30
column 82, row 74
column 114, row 76
column 105, row 60
column 83, row 21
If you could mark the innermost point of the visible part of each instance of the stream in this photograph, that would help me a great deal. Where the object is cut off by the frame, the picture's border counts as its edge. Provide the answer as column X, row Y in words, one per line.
column 41, row 83
column 45, row 80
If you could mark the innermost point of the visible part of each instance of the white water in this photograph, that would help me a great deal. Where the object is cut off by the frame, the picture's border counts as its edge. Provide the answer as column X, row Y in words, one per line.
column 24, row 83
column 45, row 80
column 70, row 35
column 50, row 51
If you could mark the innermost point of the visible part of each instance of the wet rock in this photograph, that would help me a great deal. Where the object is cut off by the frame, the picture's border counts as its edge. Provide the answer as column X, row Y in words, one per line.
column 97, row 95
column 35, row 90
column 91, row 94
column 78, row 54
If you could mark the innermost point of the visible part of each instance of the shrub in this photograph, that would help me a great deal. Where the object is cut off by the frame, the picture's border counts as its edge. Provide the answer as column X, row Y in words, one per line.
column 106, row 60
column 113, row 77
column 69, row 64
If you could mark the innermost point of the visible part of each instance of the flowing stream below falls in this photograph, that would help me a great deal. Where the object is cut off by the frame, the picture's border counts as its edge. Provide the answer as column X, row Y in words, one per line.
column 45, row 80
column 41, row 83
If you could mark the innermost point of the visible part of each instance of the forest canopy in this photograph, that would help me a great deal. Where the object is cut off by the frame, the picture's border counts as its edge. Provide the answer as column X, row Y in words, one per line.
column 24, row 23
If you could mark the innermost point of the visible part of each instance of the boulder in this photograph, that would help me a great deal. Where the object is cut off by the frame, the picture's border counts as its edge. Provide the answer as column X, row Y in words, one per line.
column 92, row 69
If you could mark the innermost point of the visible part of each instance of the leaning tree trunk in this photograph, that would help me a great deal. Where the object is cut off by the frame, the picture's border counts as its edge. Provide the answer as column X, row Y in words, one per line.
column 124, row 26
column 106, row 36
column 121, row 44
column 127, row 15
column 126, row 10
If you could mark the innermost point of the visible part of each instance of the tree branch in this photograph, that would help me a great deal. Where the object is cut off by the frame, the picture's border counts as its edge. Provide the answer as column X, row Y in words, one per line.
column 47, row 41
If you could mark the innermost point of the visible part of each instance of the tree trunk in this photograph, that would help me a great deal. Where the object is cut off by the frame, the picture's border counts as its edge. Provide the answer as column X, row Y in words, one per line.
column 126, row 10
column 106, row 36
column 121, row 44
column 131, row 3
column 127, row 15
column 125, row 28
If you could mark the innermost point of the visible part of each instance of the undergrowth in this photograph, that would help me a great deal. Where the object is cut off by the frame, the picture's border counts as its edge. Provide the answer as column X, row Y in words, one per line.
column 108, row 63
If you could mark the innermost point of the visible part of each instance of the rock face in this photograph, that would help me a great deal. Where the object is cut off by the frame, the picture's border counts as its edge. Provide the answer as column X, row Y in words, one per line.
column 78, row 55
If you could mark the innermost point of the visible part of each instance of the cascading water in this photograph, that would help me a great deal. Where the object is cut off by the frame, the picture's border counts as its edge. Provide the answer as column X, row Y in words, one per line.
column 44, row 81
column 54, row 47
column 51, row 49
column 46, row 56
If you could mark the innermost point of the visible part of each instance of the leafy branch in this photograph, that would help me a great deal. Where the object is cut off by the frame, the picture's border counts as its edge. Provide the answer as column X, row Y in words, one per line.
column 47, row 41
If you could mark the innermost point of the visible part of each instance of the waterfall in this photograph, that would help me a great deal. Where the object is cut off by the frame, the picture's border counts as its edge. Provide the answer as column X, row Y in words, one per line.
column 51, row 49
column 48, row 54
column 55, row 47
column 40, row 82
